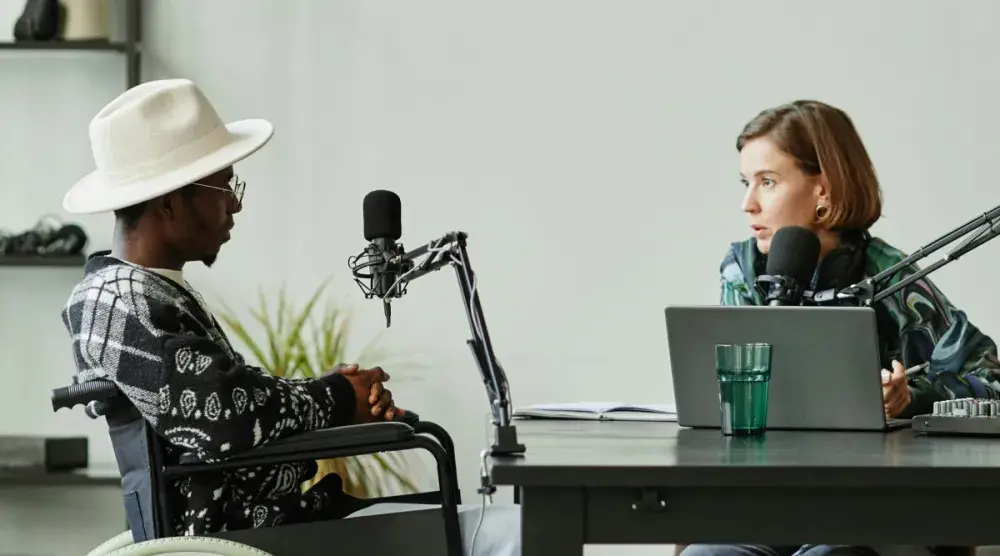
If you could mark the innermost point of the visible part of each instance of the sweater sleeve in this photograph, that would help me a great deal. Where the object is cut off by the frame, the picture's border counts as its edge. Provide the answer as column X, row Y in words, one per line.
column 963, row 360
column 193, row 390
column 215, row 406
column 734, row 294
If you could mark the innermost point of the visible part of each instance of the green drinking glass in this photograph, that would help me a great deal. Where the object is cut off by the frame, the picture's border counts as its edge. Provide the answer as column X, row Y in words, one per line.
column 744, row 372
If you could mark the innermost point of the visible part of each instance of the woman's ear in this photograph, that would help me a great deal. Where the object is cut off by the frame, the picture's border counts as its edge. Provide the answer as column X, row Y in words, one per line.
column 821, row 191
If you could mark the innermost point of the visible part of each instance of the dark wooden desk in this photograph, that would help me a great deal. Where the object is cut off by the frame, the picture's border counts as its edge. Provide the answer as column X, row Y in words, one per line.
column 656, row 483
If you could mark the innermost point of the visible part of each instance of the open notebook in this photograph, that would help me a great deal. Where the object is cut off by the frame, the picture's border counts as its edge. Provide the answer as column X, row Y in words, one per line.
column 599, row 411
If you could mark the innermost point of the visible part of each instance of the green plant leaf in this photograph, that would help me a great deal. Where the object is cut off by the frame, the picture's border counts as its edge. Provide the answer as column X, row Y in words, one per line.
column 263, row 317
column 294, row 343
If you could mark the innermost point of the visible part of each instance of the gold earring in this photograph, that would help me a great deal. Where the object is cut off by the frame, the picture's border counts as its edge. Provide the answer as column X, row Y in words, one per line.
column 821, row 212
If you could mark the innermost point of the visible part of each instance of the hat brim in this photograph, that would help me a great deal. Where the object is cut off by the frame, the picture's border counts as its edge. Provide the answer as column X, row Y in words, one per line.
column 93, row 193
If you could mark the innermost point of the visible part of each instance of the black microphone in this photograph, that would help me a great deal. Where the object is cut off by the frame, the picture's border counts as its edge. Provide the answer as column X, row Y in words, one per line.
column 382, row 227
column 791, row 263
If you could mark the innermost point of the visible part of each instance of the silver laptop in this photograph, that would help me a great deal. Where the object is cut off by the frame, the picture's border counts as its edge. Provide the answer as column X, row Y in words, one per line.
column 825, row 371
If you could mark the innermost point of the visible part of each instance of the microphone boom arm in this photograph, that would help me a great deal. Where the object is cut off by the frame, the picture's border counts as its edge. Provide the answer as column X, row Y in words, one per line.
column 987, row 232
column 451, row 249
column 985, row 219
column 867, row 292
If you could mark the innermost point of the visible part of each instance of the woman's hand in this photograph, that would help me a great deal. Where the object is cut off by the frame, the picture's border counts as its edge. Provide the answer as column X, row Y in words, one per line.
column 895, row 391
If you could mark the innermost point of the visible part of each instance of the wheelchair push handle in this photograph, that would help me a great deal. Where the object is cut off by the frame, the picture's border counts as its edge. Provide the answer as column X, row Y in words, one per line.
column 99, row 390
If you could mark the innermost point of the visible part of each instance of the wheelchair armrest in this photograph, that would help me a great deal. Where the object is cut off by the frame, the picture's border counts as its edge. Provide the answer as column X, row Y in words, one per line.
column 370, row 435
column 97, row 390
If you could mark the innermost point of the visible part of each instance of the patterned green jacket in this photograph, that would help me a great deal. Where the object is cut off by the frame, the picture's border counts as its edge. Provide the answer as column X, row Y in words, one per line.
column 916, row 324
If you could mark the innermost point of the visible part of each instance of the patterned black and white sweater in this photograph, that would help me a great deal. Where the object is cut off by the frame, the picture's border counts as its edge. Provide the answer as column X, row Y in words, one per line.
column 155, row 339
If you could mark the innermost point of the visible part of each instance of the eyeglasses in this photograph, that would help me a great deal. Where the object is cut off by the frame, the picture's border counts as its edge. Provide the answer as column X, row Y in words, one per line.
column 236, row 188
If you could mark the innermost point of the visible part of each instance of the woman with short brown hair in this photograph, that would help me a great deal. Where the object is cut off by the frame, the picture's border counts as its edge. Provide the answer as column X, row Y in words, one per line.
column 804, row 164
column 822, row 153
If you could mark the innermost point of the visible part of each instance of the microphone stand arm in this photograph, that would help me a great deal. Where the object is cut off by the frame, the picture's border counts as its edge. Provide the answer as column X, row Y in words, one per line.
column 986, row 233
column 450, row 249
column 865, row 291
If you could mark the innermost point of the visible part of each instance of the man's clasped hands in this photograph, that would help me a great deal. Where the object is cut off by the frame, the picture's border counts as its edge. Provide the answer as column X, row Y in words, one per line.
column 372, row 401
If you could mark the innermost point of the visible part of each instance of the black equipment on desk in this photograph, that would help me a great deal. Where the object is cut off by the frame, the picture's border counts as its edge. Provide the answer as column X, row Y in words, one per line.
column 791, row 263
column 961, row 417
column 870, row 291
column 388, row 269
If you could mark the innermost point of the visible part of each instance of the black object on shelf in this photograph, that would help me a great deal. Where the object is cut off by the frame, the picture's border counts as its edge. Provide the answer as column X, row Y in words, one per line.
column 43, row 260
column 129, row 47
column 51, row 242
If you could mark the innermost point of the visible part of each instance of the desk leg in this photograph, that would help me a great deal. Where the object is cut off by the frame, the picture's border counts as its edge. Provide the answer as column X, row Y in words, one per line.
column 552, row 521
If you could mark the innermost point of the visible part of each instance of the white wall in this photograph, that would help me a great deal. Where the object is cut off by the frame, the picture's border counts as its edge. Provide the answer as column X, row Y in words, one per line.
column 587, row 147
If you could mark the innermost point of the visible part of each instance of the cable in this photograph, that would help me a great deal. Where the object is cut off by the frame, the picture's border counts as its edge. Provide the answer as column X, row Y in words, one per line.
column 478, row 325
column 434, row 248
column 484, row 490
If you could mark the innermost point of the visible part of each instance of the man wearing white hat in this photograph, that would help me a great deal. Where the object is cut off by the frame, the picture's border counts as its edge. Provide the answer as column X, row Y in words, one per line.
column 164, row 163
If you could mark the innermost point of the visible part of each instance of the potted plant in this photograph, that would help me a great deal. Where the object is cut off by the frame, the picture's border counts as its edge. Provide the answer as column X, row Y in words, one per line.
column 307, row 342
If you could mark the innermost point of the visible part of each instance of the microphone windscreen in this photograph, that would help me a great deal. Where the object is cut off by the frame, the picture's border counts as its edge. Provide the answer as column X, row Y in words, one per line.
column 383, row 215
column 794, row 253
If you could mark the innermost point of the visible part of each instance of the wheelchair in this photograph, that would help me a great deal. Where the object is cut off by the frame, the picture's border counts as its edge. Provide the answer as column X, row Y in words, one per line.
column 146, row 474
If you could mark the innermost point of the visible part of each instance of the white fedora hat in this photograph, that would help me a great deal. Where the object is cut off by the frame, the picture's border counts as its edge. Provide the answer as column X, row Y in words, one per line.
column 156, row 138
